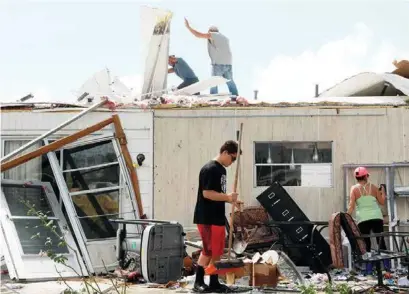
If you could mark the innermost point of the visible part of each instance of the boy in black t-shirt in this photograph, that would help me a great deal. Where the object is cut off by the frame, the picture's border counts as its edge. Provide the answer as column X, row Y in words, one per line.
column 209, row 214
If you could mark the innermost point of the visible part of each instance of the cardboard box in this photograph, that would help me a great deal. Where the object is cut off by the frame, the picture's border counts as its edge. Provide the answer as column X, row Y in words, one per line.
column 265, row 275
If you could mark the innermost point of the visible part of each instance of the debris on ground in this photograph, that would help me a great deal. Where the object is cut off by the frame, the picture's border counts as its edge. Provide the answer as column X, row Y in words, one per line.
column 128, row 276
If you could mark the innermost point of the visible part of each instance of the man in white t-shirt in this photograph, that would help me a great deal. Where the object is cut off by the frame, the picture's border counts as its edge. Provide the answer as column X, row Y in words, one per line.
column 218, row 46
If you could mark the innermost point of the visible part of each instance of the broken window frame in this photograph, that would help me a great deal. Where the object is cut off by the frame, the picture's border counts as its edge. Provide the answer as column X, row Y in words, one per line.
column 13, row 242
column 131, row 178
column 125, row 190
column 119, row 188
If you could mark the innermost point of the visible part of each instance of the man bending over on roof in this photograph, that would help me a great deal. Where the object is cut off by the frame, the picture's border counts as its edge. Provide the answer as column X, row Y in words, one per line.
column 218, row 46
column 183, row 71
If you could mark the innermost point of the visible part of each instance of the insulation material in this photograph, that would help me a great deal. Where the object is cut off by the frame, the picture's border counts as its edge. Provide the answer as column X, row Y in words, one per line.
column 155, row 35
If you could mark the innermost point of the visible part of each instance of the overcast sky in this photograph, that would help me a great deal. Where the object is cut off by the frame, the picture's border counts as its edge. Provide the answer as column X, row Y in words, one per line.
column 282, row 48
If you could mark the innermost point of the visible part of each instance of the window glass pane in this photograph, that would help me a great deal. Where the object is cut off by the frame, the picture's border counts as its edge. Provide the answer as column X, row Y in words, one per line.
column 30, row 170
column 312, row 152
column 293, row 152
column 89, row 155
column 92, row 207
column 93, row 204
column 26, row 228
column 285, row 175
column 99, row 227
column 35, row 195
column 38, row 168
column 101, row 177
column 269, row 153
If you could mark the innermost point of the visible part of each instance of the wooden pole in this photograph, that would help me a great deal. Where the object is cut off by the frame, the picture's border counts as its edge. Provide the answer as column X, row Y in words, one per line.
column 55, row 145
column 120, row 135
column 230, row 277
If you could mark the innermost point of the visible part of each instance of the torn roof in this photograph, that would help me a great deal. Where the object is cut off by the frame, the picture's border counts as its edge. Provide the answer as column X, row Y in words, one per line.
column 370, row 84
column 170, row 101
column 364, row 89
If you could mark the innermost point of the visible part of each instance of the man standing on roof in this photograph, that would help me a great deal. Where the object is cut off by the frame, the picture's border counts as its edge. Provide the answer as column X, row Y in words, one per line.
column 209, row 214
column 183, row 71
column 218, row 46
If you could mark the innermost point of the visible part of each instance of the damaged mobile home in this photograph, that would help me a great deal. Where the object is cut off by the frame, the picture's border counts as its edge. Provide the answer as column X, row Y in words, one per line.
column 87, row 163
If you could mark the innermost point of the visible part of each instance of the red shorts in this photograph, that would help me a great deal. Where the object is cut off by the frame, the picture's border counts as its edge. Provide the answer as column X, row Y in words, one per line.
column 213, row 239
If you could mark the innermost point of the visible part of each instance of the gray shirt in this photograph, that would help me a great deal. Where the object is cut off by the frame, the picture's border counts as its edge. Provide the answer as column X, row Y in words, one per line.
column 219, row 49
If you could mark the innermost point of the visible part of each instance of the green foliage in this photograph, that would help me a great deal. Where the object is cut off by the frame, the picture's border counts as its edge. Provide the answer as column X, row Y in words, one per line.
column 328, row 288
column 344, row 289
column 48, row 224
column 307, row 289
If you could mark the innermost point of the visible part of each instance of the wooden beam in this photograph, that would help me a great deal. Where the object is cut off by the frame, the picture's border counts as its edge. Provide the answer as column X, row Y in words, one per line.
column 55, row 145
column 120, row 135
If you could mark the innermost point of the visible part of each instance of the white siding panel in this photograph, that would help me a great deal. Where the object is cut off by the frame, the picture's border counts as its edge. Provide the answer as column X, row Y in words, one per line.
column 142, row 145
column 44, row 121
column 147, row 204
column 144, row 173
column 141, row 120
column 145, row 187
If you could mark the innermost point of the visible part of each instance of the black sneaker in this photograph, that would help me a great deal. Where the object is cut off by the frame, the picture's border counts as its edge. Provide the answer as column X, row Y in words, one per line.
column 201, row 288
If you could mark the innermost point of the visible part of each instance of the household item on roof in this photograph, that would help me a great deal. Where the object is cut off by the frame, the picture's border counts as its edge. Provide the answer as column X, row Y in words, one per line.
column 313, row 250
column 155, row 38
column 402, row 68
column 160, row 248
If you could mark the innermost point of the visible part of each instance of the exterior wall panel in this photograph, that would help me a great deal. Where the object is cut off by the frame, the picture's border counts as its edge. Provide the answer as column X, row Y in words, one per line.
column 186, row 139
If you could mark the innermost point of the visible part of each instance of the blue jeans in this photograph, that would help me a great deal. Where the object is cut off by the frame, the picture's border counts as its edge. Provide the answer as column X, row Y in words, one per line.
column 225, row 71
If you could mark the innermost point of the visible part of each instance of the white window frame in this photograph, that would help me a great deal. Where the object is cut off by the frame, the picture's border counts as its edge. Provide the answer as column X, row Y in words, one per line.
column 125, row 186
column 255, row 165
column 15, row 255
column 122, row 182
column 66, row 196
